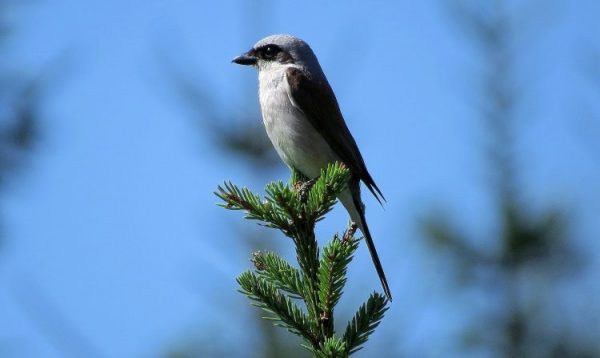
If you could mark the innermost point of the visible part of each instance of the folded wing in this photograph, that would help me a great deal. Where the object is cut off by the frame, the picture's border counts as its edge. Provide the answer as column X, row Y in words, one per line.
column 318, row 103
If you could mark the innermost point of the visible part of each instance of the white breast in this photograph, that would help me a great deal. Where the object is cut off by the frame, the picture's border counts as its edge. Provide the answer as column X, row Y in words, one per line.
column 294, row 138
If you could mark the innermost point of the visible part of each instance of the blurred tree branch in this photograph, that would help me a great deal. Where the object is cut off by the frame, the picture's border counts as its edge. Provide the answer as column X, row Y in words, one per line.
column 64, row 335
column 529, row 241
column 19, row 114
column 239, row 135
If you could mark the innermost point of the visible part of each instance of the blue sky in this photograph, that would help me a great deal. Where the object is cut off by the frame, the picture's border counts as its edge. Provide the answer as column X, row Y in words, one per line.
column 114, row 218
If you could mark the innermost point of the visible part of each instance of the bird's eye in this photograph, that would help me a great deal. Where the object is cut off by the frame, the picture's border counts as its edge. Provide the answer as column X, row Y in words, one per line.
column 270, row 51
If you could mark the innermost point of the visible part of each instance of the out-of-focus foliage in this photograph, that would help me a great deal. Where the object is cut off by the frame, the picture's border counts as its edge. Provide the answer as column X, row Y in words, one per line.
column 18, row 122
column 239, row 135
column 533, row 247
column 19, row 99
column 528, row 247
column 242, row 136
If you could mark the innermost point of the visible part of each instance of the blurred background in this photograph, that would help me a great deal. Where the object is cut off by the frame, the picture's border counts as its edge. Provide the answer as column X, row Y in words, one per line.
column 480, row 121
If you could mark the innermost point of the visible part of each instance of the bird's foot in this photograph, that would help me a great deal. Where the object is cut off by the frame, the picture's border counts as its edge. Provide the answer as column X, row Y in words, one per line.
column 350, row 232
column 303, row 187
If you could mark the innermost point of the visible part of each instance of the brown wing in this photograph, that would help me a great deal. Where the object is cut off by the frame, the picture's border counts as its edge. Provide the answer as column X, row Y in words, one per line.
column 318, row 103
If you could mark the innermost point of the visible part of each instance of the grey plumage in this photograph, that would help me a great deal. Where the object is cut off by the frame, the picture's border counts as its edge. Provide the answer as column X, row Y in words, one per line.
column 304, row 122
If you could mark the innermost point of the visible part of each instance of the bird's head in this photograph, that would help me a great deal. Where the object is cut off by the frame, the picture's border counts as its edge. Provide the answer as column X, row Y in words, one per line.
column 277, row 51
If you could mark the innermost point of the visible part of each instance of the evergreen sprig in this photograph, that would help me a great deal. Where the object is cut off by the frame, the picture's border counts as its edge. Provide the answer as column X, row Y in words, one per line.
column 366, row 319
column 337, row 254
column 275, row 285
column 279, row 272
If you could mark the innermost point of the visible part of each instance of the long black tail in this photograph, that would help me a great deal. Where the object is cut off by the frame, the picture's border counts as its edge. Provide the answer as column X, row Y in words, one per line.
column 370, row 245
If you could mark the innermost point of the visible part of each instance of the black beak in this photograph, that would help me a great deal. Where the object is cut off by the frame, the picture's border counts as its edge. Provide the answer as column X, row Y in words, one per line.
column 246, row 59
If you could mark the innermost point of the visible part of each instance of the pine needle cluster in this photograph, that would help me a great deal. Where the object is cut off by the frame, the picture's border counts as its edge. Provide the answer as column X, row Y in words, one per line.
column 302, row 299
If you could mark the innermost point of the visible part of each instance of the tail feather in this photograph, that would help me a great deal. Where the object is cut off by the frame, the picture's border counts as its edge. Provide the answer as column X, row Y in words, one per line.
column 373, row 251
column 351, row 201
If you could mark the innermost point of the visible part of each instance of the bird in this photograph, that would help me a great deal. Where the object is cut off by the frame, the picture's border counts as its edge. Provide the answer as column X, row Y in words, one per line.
column 305, row 125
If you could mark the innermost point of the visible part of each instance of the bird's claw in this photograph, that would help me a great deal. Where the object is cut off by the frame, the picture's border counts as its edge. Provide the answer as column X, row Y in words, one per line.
column 303, row 188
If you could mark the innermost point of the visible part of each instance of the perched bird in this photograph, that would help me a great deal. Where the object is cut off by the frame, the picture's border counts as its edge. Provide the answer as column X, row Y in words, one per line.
column 304, row 122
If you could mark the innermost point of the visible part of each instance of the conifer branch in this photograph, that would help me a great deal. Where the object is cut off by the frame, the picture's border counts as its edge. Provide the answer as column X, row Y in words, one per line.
column 286, row 312
column 332, row 275
column 320, row 279
column 365, row 321
column 279, row 272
